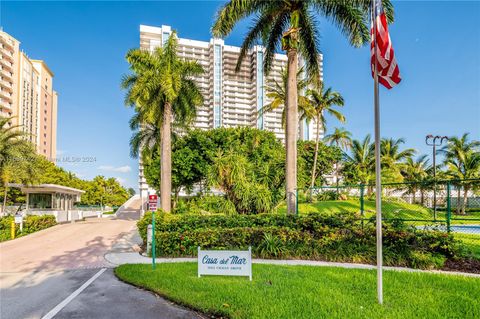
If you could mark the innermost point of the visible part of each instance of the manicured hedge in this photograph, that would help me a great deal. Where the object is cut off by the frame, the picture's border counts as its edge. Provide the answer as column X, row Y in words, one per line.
column 315, row 236
column 31, row 224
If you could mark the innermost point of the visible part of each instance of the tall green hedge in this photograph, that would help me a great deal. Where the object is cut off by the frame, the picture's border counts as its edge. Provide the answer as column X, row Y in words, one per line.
column 316, row 236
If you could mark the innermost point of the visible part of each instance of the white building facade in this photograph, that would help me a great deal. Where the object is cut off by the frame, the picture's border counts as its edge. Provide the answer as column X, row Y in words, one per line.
column 231, row 99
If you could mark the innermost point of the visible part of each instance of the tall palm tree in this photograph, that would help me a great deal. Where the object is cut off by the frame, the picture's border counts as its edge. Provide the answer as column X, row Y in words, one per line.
column 362, row 159
column 162, row 89
column 277, row 94
column 392, row 157
column 16, row 154
column 416, row 172
column 342, row 139
column 293, row 24
column 322, row 102
column 462, row 159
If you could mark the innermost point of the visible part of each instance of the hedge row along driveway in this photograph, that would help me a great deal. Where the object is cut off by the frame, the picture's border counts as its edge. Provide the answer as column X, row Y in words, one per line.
column 341, row 237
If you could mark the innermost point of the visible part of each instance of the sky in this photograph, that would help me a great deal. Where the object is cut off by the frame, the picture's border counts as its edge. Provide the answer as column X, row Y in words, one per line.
column 437, row 45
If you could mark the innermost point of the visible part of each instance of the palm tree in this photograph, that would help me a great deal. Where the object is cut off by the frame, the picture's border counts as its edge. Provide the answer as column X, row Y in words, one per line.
column 321, row 102
column 362, row 159
column 416, row 172
column 392, row 157
column 342, row 139
column 162, row 89
column 277, row 94
column 15, row 156
column 462, row 159
column 293, row 24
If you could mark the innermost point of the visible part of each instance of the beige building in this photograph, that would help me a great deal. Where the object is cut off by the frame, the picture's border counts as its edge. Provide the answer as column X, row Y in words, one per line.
column 231, row 99
column 27, row 95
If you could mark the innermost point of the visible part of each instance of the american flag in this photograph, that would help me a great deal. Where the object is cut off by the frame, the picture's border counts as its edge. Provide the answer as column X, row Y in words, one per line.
column 387, row 68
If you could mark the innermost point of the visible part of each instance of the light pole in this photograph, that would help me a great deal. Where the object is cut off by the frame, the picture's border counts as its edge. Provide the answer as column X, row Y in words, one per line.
column 435, row 141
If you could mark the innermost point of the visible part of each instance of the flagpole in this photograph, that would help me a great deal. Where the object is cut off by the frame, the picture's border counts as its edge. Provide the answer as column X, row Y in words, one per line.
column 378, row 181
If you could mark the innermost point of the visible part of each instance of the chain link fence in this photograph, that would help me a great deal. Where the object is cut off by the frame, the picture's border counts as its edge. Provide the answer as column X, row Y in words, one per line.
column 449, row 205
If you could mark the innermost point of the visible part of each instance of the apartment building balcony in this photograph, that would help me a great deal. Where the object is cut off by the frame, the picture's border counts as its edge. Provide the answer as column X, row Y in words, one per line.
column 6, row 65
column 7, row 86
column 5, row 95
column 4, row 104
column 6, row 75
column 7, row 43
column 7, row 54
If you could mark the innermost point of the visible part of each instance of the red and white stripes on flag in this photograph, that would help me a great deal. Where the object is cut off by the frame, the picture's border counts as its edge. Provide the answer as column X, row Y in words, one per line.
column 387, row 68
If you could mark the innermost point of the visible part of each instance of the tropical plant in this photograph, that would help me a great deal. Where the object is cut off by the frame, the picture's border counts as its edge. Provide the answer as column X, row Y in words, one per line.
column 393, row 158
column 462, row 160
column 340, row 138
column 293, row 24
column 321, row 102
column 360, row 163
column 415, row 172
column 162, row 89
column 343, row 140
column 15, row 157
column 277, row 94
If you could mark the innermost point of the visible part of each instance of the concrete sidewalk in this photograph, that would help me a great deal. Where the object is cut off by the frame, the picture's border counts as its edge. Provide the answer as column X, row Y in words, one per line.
column 136, row 258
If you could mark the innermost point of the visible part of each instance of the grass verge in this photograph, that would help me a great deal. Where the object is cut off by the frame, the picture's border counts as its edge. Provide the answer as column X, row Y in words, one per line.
column 310, row 292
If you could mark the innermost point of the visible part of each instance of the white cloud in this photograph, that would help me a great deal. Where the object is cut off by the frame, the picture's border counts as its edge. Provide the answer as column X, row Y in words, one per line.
column 120, row 180
column 120, row 169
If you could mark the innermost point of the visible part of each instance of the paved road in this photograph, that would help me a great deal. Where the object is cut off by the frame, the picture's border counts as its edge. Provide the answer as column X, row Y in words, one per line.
column 45, row 275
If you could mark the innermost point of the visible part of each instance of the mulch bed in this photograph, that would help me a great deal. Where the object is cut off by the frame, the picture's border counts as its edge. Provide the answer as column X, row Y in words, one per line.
column 463, row 265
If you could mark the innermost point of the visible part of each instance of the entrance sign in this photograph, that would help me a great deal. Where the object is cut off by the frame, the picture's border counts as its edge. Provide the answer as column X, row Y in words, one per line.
column 225, row 262
column 18, row 219
column 152, row 202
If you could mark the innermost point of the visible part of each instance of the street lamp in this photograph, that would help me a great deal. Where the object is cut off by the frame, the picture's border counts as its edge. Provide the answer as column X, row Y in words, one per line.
column 435, row 141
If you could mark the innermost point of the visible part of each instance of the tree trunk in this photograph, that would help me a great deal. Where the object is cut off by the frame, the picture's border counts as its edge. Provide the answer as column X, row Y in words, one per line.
column 465, row 199
column 4, row 206
column 291, row 130
column 458, row 200
column 413, row 195
column 315, row 157
column 422, row 198
column 166, row 157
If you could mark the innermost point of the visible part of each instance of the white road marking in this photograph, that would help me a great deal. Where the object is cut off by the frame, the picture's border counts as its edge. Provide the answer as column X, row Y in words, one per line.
column 72, row 296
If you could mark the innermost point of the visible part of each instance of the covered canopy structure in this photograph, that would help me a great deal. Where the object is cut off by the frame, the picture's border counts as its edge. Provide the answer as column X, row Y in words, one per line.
column 51, row 197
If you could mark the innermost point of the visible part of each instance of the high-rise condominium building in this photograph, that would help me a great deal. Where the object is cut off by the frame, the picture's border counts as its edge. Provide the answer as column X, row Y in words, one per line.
column 231, row 98
column 27, row 95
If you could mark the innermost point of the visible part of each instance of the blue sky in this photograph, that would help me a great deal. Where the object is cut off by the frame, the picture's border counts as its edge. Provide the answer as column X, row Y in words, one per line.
column 437, row 44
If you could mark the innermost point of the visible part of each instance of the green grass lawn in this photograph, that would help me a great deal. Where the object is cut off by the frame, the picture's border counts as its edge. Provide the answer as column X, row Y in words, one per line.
column 311, row 292
column 472, row 241
column 390, row 210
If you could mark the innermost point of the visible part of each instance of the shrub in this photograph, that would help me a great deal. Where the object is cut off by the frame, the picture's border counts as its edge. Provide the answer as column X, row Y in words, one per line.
column 315, row 236
column 31, row 224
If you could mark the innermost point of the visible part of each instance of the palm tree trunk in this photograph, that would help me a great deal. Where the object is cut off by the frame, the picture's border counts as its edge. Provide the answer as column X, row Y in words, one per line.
column 166, row 156
column 465, row 199
column 291, row 130
column 315, row 157
column 458, row 200
column 4, row 206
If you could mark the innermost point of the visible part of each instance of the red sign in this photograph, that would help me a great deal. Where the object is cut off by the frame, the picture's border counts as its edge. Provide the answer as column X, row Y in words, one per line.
column 152, row 202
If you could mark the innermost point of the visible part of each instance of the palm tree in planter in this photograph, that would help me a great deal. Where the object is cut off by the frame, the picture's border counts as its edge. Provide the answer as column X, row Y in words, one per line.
column 322, row 102
column 162, row 90
column 462, row 159
column 342, row 139
column 293, row 24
